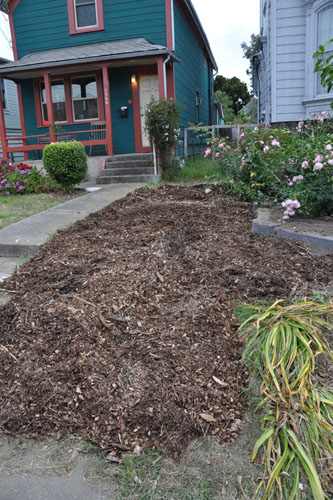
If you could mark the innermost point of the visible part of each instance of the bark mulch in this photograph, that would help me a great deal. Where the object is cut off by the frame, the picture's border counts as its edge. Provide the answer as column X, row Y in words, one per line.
column 122, row 330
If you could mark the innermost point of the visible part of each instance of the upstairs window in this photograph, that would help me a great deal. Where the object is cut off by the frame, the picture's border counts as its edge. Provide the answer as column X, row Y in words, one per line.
column 324, row 34
column 3, row 93
column 85, row 15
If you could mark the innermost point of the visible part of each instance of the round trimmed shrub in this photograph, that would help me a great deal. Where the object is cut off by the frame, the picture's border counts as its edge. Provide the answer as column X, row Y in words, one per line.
column 66, row 163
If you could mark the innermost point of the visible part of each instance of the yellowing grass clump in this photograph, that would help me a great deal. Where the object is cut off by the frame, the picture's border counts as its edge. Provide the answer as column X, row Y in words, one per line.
column 282, row 344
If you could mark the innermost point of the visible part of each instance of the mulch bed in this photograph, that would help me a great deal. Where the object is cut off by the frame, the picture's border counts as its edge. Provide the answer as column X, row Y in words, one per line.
column 122, row 329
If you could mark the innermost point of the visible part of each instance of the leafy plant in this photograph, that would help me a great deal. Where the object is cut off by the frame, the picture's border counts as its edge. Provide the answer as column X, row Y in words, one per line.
column 66, row 163
column 282, row 344
column 162, row 126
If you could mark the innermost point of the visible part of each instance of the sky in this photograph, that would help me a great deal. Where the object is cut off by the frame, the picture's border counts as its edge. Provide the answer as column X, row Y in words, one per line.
column 227, row 24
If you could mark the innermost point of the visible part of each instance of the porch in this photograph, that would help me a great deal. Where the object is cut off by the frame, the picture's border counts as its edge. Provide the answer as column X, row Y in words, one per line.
column 64, row 92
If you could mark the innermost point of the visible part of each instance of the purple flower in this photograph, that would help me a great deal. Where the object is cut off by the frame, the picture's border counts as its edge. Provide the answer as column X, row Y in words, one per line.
column 25, row 180
column 20, row 188
column 305, row 164
column 318, row 166
column 329, row 147
column 7, row 193
column 7, row 185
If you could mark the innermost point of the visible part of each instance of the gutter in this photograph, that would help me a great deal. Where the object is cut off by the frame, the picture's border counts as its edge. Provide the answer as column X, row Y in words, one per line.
column 164, row 76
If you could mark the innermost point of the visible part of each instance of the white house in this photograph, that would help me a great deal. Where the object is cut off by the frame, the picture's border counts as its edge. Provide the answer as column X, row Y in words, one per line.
column 9, row 97
column 284, row 78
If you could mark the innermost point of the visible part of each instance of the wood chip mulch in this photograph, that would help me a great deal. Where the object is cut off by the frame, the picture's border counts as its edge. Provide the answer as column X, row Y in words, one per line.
column 122, row 330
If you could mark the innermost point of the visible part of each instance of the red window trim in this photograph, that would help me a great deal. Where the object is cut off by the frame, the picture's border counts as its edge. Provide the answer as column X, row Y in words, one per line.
column 73, row 30
column 68, row 96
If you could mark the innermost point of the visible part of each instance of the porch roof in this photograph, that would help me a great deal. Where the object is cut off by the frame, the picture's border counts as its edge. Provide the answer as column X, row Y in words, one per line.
column 82, row 54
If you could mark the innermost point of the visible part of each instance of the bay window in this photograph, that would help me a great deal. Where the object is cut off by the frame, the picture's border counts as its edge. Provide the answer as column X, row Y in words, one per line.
column 324, row 34
column 58, row 99
column 84, row 98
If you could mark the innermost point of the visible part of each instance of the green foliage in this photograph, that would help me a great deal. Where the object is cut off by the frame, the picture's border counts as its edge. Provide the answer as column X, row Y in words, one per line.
column 162, row 127
column 227, row 104
column 250, row 50
column 281, row 345
column 66, row 163
column 233, row 88
column 291, row 168
column 324, row 66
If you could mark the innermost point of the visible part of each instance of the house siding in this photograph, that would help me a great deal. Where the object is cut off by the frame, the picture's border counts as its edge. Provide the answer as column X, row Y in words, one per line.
column 191, row 75
column 122, row 20
column 290, row 60
column 12, row 117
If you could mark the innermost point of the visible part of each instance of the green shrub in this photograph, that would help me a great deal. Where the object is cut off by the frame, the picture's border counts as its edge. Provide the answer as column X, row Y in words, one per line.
column 66, row 163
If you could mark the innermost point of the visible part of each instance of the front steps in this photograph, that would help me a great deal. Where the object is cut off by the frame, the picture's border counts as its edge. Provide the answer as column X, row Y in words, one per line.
column 137, row 167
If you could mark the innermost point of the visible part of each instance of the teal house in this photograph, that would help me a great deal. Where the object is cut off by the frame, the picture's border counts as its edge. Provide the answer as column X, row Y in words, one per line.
column 86, row 70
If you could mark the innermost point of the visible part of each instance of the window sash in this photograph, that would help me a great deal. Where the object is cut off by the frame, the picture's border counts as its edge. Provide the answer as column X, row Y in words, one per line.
column 59, row 105
column 81, row 6
column 85, row 105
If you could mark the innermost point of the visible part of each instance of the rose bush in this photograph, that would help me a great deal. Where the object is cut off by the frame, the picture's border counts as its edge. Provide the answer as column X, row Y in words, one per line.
column 291, row 167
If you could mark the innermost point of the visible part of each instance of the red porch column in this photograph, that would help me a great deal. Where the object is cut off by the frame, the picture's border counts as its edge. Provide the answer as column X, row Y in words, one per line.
column 160, row 74
column 3, row 131
column 23, row 129
column 49, row 105
column 107, row 102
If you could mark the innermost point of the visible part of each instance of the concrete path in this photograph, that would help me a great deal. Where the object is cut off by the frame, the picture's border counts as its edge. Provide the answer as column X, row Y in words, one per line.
column 25, row 237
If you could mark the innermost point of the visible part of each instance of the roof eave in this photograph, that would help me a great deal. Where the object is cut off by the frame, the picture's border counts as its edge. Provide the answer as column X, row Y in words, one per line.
column 71, row 62
column 199, row 26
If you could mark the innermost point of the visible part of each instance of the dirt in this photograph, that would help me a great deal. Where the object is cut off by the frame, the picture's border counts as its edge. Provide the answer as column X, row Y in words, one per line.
column 121, row 330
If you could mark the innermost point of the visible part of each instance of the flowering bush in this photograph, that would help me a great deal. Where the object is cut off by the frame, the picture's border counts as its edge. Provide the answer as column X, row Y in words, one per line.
column 162, row 127
column 293, row 168
column 20, row 178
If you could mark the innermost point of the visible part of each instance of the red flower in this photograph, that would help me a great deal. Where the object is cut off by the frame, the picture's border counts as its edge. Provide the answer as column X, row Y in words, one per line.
column 45, row 122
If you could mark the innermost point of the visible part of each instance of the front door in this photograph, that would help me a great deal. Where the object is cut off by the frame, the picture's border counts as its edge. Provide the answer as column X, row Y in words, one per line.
column 148, row 87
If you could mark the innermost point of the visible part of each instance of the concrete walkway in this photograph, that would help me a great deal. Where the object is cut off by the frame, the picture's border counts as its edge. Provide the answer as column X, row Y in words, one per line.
column 24, row 238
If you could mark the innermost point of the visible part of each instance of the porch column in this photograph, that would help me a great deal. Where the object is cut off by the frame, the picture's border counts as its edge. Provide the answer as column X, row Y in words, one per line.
column 23, row 129
column 49, row 105
column 160, row 74
column 3, row 131
column 107, row 102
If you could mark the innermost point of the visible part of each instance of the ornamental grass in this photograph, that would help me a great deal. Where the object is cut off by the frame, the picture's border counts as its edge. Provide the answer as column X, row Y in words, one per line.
column 282, row 344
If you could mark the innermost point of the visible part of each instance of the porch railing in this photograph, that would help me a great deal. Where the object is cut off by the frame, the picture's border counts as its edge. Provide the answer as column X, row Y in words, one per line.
column 25, row 147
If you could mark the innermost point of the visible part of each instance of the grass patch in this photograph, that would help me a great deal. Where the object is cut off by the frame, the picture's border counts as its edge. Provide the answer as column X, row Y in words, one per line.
column 14, row 208
column 196, row 169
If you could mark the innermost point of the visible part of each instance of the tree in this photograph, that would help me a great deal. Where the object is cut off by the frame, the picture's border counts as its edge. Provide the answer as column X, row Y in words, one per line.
column 235, row 89
column 225, row 100
column 251, row 50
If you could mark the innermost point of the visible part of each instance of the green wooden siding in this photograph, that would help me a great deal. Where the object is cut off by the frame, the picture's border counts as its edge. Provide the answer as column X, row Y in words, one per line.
column 122, row 128
column 192, row 75
column 43, row 25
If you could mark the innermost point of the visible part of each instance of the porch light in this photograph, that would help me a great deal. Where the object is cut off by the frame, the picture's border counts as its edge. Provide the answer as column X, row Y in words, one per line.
column 133, row 79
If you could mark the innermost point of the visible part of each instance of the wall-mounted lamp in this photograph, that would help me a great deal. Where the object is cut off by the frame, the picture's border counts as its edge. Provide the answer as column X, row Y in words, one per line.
column 133, row 79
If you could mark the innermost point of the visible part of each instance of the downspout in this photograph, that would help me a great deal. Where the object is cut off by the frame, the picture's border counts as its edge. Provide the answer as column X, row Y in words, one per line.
column 164, row 76
column 211, row 94
column 173, row 24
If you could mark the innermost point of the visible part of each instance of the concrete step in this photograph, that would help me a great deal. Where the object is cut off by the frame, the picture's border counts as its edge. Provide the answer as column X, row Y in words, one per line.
column 115, row 179
column 127, row 171
column 129, row 164
column 129, row 157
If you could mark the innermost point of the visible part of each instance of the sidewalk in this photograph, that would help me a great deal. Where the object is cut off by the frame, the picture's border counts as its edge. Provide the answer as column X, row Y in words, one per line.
column 24, row 238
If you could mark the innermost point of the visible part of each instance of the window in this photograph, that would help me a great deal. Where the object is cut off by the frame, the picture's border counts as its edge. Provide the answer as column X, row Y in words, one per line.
column 58, row 99
column 85, row 13
column 3, row 93
column 84, row 98
column 324, row 33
